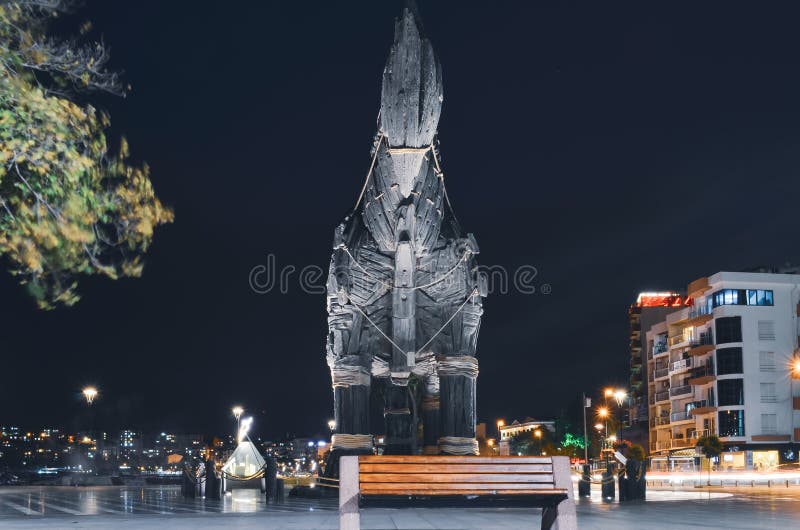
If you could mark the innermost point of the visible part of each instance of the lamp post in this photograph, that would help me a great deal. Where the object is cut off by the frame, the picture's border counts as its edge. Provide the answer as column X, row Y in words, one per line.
column 794, row 374
column 500, row 424
column 538, row 434
column 89, row 393
column 237, row 413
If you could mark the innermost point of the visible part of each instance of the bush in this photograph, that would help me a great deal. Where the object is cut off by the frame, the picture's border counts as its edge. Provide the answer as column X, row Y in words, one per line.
column 636, row 452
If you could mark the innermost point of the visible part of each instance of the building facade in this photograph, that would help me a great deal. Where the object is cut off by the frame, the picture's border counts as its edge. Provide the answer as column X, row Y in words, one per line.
column 649, row 309
column 723, row 366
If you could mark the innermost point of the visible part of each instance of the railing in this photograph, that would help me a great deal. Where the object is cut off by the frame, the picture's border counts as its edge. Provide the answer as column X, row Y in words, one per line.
column 699, row 404
column 701, row 433
column 680, row 416
column 659, row 420
column 662, row 396
column 661, row 372
column 680, row 390
column 660, row 446
column 681, row 365
column 702, row 371
column 677, row 339
column 705, row 338
column 682, row 442
column 699, row 311
column 660, row 347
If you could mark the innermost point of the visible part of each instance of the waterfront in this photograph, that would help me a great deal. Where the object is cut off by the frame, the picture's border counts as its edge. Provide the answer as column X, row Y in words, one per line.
column 32, row 507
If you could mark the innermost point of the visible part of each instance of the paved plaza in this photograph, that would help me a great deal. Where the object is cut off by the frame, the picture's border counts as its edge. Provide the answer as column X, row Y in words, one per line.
column 163, row 507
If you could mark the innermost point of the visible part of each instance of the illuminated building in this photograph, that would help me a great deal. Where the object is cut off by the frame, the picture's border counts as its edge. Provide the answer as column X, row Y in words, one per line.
column 649, row 308
column 515, row 428
column 722, row 366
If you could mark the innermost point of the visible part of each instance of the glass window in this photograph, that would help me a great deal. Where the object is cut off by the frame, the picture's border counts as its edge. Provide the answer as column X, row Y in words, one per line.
column 729, row 329
column 730, row 392
column 729, row 361
column 752, row 296
column 731, row 423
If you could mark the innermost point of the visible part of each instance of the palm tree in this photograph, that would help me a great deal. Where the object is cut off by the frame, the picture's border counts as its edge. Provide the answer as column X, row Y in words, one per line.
column 711, row 447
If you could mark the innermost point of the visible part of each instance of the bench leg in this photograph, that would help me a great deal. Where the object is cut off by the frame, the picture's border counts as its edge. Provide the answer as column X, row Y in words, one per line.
column 561, row 517
column 349, row 518
column 565, row 516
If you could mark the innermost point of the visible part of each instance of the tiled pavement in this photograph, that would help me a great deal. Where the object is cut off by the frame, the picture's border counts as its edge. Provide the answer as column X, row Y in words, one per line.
column 163, row 507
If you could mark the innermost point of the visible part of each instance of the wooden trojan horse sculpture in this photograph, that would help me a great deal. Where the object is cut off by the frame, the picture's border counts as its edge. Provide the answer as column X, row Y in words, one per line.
column 404, row 300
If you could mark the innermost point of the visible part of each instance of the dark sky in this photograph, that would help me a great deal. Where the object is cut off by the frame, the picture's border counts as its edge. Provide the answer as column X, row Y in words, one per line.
column 615, row 147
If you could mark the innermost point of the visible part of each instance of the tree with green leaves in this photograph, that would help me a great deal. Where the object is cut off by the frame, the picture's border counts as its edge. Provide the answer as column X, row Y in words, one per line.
column 68, row 205
column 711, row 447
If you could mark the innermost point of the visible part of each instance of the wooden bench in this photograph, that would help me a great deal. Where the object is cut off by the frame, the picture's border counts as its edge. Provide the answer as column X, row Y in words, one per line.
column 542, row 482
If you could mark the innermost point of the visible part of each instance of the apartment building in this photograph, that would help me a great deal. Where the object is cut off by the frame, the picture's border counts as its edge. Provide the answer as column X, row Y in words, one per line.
column 723, row 366
column 649, row 309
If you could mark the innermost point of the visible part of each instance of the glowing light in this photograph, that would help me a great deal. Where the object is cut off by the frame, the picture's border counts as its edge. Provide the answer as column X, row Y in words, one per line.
column 663, row 299
column 619, row 396
column 537, row 433
column 237, row 412
column 244, row 428
column 332, row 425
column 599, row 426
column 608, row 392
column 796, row 367
column 89, row 393
column 602, row 412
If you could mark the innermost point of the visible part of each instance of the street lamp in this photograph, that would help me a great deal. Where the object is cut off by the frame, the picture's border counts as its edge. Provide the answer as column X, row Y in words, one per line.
column 332, row 425
column 237, row 413
column 500, row 423
column 538, row 434
column 89, row 393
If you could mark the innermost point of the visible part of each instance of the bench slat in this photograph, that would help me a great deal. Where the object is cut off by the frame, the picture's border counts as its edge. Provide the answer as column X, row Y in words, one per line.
column 411, row 488
column 456, row 478
column 415, row 459
column 456, row 468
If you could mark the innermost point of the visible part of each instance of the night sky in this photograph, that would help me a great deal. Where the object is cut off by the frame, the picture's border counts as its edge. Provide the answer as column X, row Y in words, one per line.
column 615, row 147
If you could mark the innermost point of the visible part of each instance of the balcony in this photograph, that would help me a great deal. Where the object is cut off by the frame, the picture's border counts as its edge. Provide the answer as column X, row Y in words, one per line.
column 660, row 446
column 676, row 417
column 702, row 432
column 680, row 390
column 680, row 366
column 661, row 372
column 677, row 340
column 662, row 396
column 680, row 443
column 703, row 375
column 703, row 406
column 659, row 348
column 703, row 345
column 699, row 316
column 659, row 421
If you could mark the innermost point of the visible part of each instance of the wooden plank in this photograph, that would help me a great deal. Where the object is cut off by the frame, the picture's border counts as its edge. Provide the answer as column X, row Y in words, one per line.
column 456, row 489
column 456, row 468
column 414, row 459
column 456, row 478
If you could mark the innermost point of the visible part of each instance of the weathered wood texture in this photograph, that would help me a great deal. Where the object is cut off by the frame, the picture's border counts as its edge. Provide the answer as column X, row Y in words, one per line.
column 403, row 288
column 541, row 482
